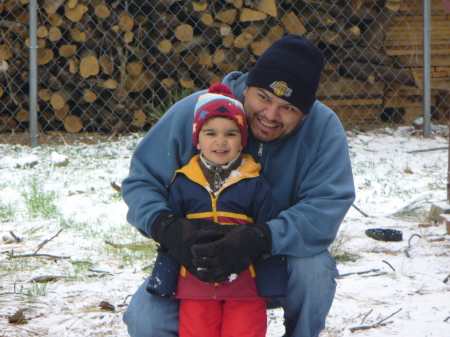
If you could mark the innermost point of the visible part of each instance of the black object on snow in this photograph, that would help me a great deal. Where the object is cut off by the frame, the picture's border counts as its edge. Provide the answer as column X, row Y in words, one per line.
column 384, row 234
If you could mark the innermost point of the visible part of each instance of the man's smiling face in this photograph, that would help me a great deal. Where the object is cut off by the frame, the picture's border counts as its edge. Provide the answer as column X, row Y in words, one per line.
column 269, row 117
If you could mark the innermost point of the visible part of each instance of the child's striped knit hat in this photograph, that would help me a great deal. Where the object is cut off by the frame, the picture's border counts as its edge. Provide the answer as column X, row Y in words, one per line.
column 219, row 101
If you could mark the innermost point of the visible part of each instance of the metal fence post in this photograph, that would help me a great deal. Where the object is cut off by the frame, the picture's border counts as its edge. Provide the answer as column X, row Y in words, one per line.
column 426, row 68
column 33, row 74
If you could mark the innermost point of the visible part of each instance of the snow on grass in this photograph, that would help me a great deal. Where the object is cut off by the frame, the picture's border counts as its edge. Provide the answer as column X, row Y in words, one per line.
column 57, row 202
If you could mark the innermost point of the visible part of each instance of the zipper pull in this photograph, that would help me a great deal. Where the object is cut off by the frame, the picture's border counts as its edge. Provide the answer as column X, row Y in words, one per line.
column 260, row 150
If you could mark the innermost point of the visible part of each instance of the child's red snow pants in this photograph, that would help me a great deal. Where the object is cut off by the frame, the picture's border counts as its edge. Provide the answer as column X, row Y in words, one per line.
column 228, row 318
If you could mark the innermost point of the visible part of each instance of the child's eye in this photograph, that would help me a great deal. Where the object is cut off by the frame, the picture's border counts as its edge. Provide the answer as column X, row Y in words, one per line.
column 232, row 134
column 211, row 134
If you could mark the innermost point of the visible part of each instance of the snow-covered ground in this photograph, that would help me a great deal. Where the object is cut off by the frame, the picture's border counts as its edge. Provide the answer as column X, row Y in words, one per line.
column 58, row 203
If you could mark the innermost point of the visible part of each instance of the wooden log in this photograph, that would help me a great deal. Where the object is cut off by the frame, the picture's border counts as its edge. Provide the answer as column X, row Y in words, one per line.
column 102, row 11
column 275, row 33
column 68, row 50
column 49, row 120
column 45, row 94
column 375, row 33
column 396, row 75
column 349, row 33
column 6, row 52
column 89, row 96
column 62, row 113
column 126, row 22
column 227, row 16
column 59, row 98
column 369, row 55
column 359, row 70
column 335, row 9
column 89, row 65
column 185, row 79
column 258, row 47
column 267, row 6
column 293, row 24
column 76, row 13
column 22, row 115
column 184, row 32
column 54, row 34
column 106, row 64
column 251, row 15
column 73, row 124
column 140, row 118
column 243, row 40
column 44, row 56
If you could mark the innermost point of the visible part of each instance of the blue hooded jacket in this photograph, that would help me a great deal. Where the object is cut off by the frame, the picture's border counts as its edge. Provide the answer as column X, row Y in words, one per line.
column 309, row 171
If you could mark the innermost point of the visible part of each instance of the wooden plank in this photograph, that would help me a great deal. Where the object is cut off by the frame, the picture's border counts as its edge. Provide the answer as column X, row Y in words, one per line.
column 417, row 60
column 444, row 219
column 414, row 44
column 350, row 88
column 355, row 115
column 397, row 101
column 352, row 102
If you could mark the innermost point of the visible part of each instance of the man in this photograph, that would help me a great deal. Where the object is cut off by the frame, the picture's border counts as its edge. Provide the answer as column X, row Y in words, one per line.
column 303, row 150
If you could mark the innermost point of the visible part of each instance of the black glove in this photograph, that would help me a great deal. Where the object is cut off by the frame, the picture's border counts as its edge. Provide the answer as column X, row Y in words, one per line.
column 233, row 253
column 178, row 235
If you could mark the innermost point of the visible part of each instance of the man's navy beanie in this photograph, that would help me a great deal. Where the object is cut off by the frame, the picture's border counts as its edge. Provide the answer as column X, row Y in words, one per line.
column 290, row 68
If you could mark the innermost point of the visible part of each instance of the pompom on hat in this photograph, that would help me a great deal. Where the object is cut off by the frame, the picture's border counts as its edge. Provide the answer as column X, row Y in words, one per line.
column 219, row 101
column 290, row 68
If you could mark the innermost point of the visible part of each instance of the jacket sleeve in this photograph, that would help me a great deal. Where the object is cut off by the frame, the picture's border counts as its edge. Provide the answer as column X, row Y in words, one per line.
column 322, row 194
column 164, row 149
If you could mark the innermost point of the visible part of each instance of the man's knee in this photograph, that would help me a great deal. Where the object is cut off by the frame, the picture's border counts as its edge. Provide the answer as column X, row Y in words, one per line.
column 320, row 266
column 149, row 315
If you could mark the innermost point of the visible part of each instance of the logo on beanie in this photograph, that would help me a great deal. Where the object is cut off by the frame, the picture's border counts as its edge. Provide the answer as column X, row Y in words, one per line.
column 281, row 88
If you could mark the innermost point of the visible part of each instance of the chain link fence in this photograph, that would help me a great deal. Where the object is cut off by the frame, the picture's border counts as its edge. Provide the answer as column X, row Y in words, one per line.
column 114, row 66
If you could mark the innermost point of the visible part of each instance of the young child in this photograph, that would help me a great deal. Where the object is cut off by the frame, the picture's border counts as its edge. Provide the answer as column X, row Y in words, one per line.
column 224, row 186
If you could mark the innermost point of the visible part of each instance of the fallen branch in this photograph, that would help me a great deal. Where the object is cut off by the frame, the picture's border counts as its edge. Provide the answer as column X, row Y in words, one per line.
column 388, row 264
column 379, row 274
column 47, row 241
column 409, row 241
column 364, row 318
column 16, row 238
column 361, row 211
column 376, row 325
column 358, row 273
column 446, row 279
column 12, row 256
column 428, row 150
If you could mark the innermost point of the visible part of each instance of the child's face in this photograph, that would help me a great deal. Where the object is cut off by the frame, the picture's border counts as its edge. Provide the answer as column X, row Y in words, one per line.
column 219, row 140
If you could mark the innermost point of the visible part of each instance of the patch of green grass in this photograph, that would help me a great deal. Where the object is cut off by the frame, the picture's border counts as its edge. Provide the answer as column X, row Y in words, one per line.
column 127, row 244
column 38, row 201
column 417, row 211
column 36, row 290
column 164, row 104
column 25, row 264
column 7, row 211
column 338, row 248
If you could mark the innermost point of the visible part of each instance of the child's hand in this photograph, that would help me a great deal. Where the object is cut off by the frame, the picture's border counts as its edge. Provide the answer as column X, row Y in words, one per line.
column 233, row 253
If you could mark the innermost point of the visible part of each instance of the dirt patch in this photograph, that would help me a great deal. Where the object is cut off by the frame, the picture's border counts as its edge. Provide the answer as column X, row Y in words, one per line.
column 57, row 138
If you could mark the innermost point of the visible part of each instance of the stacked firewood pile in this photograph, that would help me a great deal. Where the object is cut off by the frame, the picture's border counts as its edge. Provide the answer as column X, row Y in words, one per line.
column 107, row 65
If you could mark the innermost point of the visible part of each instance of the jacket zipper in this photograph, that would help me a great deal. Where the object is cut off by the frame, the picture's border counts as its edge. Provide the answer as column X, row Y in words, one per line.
column 260, row 150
